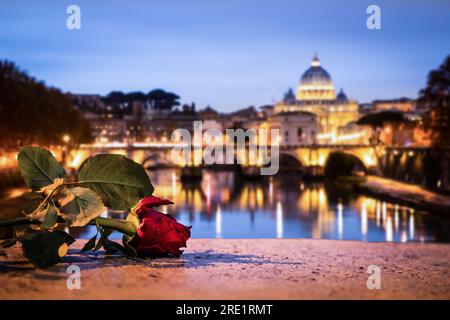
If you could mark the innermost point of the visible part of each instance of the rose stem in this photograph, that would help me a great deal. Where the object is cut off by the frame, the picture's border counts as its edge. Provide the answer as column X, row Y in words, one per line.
column 115, row 224
column 123, row 226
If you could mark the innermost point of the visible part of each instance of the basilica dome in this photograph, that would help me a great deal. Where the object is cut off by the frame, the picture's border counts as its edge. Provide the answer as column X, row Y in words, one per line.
column 316, row 83
column 341, row 97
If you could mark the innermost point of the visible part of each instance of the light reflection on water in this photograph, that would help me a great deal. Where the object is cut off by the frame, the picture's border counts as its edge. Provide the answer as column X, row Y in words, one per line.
column 225, row 206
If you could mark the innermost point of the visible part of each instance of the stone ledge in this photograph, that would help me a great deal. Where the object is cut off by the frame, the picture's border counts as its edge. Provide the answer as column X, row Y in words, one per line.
column 241, row 269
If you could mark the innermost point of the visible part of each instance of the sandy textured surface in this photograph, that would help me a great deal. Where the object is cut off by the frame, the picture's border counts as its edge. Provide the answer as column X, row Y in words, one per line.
column 242, row 269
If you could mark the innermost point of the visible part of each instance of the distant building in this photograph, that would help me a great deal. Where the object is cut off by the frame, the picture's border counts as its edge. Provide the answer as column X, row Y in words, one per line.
column 295, row 127
column 401, row 104
column 208, row 114
column 268, row 110
column 108, row 129
column 243, row 115
column 408, row 133
column 365, row 108
column 87, row 102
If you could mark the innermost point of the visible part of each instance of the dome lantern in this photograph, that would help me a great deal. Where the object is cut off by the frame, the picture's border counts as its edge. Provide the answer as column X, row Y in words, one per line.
column 315, row 61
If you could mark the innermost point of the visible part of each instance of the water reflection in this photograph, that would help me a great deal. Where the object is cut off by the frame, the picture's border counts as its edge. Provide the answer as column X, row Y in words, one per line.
column 223, row 205
column 218, row 223
column 279, row 220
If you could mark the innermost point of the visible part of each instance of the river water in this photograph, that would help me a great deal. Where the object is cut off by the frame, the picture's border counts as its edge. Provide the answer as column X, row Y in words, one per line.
column 223, row 205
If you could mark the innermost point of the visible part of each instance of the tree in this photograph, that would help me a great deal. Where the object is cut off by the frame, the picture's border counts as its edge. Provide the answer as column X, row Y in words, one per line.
column 160, row 99
column 435, row 98
column 115, row 98
column 136, row 96
column 379, row 119
column 32, row 113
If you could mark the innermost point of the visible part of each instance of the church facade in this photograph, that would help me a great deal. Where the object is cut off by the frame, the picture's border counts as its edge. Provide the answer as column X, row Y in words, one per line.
column 336, row 114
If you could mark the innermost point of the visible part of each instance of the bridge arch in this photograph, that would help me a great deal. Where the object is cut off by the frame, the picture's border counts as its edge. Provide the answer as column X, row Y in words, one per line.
column 290, row 161
column 367, row 156
column 343, row 163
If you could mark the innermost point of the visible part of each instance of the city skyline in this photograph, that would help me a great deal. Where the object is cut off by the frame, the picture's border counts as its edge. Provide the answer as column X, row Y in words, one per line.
column 229, row 55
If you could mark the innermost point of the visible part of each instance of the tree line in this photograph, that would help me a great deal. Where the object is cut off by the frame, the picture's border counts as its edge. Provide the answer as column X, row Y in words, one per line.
column 33, row 113
column 157, row 99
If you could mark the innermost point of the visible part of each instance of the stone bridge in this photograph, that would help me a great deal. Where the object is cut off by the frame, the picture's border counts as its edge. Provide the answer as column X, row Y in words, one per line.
column 157, row 154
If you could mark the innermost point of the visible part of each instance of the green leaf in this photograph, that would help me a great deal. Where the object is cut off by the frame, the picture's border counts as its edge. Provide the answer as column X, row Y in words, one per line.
column 80, row 206
column 39, row 167
column 44, row 248
column 99, row 244
column 129, row 250
column 112, row 247
column 67, row 237
column 50, row 217
column 107, row 232
column 119, row 181
column 90, row 244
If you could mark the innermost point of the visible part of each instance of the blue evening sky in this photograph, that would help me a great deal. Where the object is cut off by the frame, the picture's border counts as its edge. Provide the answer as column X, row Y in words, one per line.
column 226, row 53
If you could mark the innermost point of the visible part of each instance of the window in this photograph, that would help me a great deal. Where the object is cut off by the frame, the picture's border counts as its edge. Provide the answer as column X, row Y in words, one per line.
column 300, row 133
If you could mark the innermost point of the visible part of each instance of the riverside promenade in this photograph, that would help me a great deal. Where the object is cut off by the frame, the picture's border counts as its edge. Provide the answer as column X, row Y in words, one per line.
column 408, row 194
column 241, row 269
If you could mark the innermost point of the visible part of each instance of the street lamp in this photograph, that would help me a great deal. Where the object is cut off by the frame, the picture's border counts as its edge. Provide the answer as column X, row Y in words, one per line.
column 66, row 138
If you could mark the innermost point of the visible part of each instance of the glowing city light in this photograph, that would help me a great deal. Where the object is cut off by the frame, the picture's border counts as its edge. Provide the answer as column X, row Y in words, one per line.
column 271, row 191
column 66, row 138
column 378, row 213
column 340, row 221
column 279, row 215
column 389, row 230
column 218, row 223
column 404, row 236
column 384, row 213
column 411, row 225
column 396, row 218
column 76, row 161
column 364, row 220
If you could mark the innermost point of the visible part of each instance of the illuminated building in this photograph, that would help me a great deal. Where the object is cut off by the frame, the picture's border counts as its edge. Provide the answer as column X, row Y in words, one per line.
column 296, row 128
column 401, row 104
column 316, row 94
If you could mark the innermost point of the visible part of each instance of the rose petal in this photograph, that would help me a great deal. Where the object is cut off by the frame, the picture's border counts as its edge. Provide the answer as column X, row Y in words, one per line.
column 159, row 234
column 151, row 202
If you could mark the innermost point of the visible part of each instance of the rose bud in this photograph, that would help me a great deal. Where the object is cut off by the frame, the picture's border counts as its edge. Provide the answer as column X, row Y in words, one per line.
column 158, row 234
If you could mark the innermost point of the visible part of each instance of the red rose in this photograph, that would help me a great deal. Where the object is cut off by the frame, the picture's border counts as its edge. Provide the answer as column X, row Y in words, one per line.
column 158, row 234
